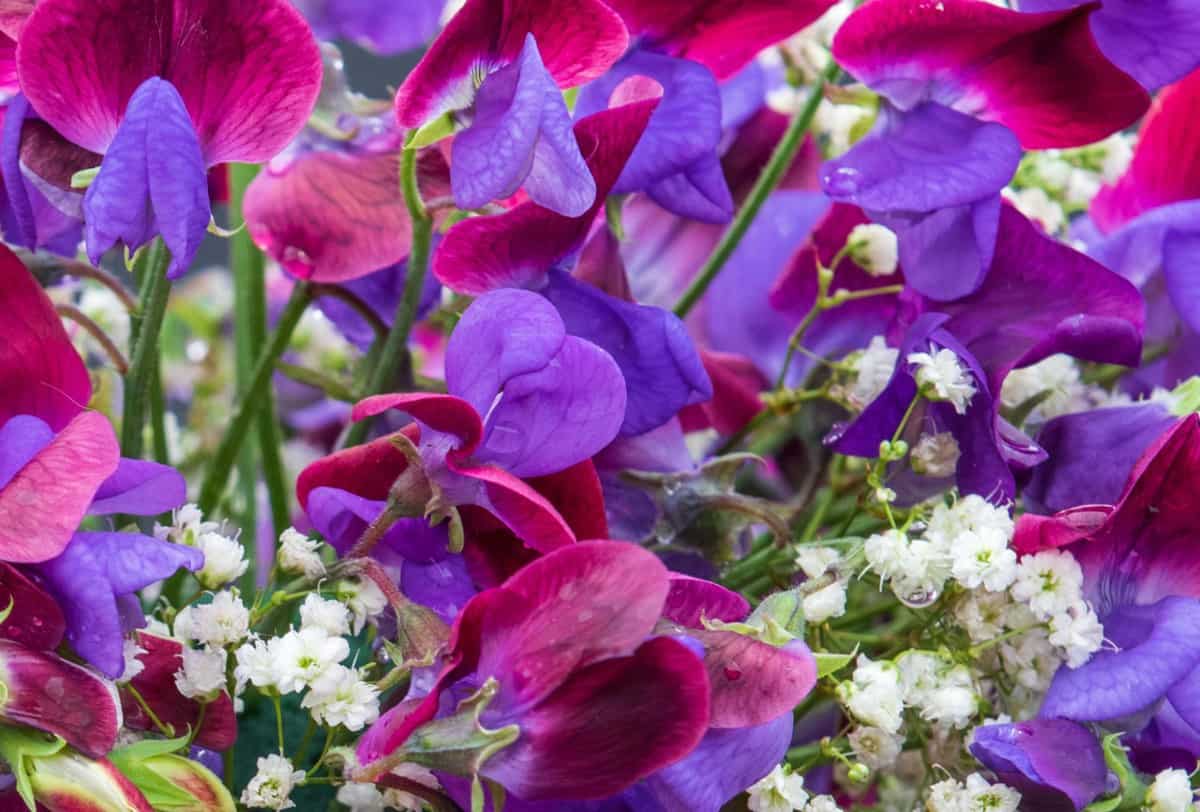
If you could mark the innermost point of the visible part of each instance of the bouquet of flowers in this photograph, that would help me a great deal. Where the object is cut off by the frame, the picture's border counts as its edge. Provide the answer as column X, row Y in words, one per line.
column 640, row 406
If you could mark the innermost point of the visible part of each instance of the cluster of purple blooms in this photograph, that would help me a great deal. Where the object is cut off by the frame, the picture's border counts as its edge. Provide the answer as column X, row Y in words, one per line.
column 636, row 266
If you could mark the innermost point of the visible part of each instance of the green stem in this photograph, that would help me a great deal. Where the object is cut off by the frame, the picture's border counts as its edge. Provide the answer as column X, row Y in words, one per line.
column 394, row 352
column 142, row 364
column 217, row 477
column 767, row 182
column 275, row 700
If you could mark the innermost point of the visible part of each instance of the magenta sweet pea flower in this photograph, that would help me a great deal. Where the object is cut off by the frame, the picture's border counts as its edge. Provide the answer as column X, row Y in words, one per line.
column 65, row 461
column 585, row 698
column 1156, row 43
column 1056, row 764
column 1141, row 575
column 382, row 27
column 1040, row 298
column 497, row 69
column 200, row 84
column 722, row 35
column 966, row 85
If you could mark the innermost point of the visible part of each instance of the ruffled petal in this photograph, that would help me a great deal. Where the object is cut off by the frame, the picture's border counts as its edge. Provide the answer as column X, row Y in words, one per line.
column 61, row 481
column 1117, row 683
column 140, row 488
column 608, row 725
column 691, row 601
column 47, row 692
column 521, row 134
column 41, row 374
column 444, row 413
column 152, row 181
column 523, row 510
column 516, row 248
column 754, row 682
column 97, row 569
column 723, row 35
column 661, row 369
column 330, row 216
column 1041, row 75
column 367, row 470
column 1057, row 765
column 341, row 518
column 502, row 335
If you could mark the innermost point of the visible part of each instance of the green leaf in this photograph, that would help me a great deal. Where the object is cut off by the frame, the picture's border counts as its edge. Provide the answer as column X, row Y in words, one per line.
column 146, row 748
column 17, row 745
column 828, row 663
column 1106, row 805
column 159, row 791
column 1133, row 788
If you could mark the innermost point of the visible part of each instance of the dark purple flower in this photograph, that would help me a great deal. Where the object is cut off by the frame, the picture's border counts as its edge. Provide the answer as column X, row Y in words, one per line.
column 214, row 82
column 1056, row 764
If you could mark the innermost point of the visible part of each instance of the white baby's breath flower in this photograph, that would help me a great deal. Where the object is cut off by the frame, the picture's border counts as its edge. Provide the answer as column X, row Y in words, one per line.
column 272, row 785
column 1049, row 582
column 224, row 559
column 340, row 696
column 298, row 554
column 873, row 369
column 875, row 747
column 224, row 621
column 361, row 797
column 1170, row 792
column 202, row 675
column 816, row 561
column 983, row 558
column 331, row 616
column 935, row 455
column 942, row 376
column 133, row 665
column 257, row 663
column 828, row 601
column 780, row 791
column 303, row 656
column 980, row 796
column 874, row 248
column 873, row 694
column 363, row 598
column 1078, row 632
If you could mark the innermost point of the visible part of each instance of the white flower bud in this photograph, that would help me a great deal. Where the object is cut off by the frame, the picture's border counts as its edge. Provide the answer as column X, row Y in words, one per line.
column 874, row 248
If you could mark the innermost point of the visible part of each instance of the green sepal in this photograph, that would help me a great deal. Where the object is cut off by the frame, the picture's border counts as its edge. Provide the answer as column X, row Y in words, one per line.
column 828, row 663
column 1133, row 788
column 1186, row 397
column 441, row 127
column 17, row 746
column 12, row 602
column 84, row 178
column 133, row 762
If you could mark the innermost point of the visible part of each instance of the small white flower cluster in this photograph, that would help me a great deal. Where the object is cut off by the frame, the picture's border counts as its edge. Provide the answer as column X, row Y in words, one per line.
column 941, row 691
column 310, row 658
column 967, row 542
column 873, row 369
column 873, row 695
column 942, row 376
column 973, row 795
column 1171, row 792
column 224, row 557
column 1058, row 381
column 827, row 601
column 1050, row 584
column 271, row 787
column 223, row 622
column 781, row 790
column 299, row 555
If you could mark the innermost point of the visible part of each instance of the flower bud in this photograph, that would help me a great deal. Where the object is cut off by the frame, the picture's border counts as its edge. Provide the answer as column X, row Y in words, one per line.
column 874, row 248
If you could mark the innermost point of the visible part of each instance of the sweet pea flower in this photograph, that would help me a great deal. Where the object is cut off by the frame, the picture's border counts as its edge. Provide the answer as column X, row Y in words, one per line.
column 1056, row 764
column 379, row 27
column 63, row 459
column 525, row 400
column 1040, row 298
column 966, row 86
column 1156, row 43
column 329, row 207
column 1139, row 574
column 608, row 702
column 497, row 68
column 200, row 84
column 531, row 247
column 1149, row 231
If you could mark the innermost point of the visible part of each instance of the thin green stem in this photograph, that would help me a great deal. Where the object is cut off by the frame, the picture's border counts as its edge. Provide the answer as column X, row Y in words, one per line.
column 217, row 477
column 394, row 353
column 324, row 752
column 162, row 727
column 275, row 700
column 155, row 290
column 767, row 182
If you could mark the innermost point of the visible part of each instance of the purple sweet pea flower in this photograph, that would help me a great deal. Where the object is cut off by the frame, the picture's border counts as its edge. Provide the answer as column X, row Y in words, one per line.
column 377, row 25
column 193, row 95
column 525, row 400
column 1141, row 575
column 676, row 162
column 965, row 86
column 1056, row 764
column 498, row 68
column 1040, row 298
column 1091, row 454
column 1155, row 42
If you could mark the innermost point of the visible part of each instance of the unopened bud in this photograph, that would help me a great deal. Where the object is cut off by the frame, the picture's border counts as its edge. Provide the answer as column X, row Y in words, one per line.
column 874, row 248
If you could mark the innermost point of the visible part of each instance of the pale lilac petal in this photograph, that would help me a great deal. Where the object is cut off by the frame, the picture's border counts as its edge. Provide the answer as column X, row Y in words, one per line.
column 93, row 572
column 502, row 334
column 521, row 133
column 152, row 181
column 341, row 518
column 140, row 488
column 661, row 369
